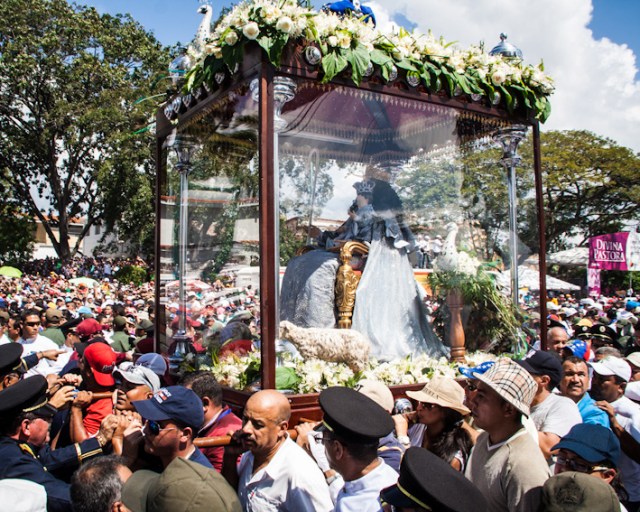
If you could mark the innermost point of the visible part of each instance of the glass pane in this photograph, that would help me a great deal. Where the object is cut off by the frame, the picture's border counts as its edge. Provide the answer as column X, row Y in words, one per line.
column 221, row 228
column 430, row 191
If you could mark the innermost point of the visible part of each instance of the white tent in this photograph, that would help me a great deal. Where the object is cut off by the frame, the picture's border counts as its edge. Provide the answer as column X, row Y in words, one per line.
column 530, row 278
column 576, row 257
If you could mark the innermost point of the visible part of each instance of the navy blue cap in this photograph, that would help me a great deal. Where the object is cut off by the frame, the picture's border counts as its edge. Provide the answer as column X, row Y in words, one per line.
column 27, row 395
column 593, row 443
column 10, row 355
column 544, row 363
column 175, row 403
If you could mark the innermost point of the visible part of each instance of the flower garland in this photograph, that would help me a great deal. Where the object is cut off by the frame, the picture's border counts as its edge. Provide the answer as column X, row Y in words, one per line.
column 312, row 376
column 348, row 43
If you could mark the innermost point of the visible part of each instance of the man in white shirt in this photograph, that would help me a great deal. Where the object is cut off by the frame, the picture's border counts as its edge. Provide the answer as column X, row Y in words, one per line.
column 552, row 414
column 33, row 342
column 276, row 474
column 610, row 378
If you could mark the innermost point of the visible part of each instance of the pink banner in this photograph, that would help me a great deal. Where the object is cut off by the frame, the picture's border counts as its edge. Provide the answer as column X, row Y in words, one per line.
column 593, row 281
column 616, row 251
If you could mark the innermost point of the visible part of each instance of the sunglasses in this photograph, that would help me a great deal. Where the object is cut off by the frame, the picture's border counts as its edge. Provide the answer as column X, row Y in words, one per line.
column 155, row 429
column 32, row 324
column 426, row 405
column 580, row 467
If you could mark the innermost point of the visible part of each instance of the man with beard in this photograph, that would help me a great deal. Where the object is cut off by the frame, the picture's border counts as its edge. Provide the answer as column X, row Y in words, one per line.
column 575, row 384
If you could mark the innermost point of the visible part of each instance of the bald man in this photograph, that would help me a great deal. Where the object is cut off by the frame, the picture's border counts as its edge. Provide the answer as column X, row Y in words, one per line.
column 276, row 473
column 557, row 339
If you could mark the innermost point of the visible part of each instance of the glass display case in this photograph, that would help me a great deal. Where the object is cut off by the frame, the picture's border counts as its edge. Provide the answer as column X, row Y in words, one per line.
column 276, row 159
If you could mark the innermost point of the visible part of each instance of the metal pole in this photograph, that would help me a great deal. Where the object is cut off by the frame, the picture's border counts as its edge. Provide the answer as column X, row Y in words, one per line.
column 509, row 138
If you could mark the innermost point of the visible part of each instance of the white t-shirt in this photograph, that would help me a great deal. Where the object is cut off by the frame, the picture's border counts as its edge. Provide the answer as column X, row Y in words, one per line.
column 292, row 481
column 556, row 414
column 40, row 344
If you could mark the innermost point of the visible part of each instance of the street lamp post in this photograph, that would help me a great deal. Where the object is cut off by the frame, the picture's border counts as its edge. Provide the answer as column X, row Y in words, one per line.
column 509, row 138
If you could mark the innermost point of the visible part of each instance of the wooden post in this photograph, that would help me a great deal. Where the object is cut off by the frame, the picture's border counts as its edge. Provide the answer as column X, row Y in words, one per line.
column 455, row 302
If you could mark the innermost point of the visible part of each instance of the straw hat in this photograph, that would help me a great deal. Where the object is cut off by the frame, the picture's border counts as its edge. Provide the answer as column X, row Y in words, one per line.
column 442, row 391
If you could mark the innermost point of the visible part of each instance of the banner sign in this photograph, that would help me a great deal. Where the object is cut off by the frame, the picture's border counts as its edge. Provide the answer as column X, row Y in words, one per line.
column 616, row 251
column 593, row 281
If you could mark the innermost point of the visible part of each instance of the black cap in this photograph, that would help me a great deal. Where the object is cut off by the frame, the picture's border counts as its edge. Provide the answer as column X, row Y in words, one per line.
column 71, row 324
column 27, row 395
column 544, row 363
column 353, row 416
column 551, row 322
column 10, row 355
column 603, row 332
column 429, row 482
column 582, row 331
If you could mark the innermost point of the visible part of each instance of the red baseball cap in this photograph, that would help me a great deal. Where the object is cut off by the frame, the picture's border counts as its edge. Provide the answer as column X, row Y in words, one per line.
column 102, row 360
column 88, row 327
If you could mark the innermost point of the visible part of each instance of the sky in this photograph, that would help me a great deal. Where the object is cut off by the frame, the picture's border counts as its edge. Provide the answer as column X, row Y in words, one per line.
column 589, row 47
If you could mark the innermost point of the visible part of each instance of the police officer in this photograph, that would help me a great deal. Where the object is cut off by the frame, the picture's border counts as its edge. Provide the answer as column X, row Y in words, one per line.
column 25, row 416
column 352, row 426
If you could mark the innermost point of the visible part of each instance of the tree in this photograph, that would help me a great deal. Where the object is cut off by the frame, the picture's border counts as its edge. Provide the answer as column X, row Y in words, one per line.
column 17, row 229
column 591, row 186
column 69, row 78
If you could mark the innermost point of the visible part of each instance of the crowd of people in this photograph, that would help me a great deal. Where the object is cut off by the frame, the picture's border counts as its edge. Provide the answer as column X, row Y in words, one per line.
column 91, row 418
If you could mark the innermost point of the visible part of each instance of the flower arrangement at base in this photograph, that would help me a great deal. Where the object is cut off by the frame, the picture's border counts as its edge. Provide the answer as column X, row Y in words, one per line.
column 351, row 44
column 312, row 376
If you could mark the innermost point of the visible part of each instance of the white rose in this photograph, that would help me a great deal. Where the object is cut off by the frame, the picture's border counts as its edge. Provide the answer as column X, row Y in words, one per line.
column 344, row 41
column 498, row 77
column 284, row 24
column 231, row 38
column 332, row 41
column 251, row 30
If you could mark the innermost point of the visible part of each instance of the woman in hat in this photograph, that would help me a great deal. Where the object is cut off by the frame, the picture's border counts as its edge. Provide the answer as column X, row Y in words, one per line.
column 438, row 421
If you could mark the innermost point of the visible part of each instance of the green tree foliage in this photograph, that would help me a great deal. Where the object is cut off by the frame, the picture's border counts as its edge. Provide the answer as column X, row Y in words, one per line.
column 591, row 186
column 69, row 78
column 17, row 229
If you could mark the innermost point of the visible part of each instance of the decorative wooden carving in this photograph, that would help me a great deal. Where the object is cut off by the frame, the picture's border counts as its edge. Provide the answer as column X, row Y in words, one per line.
column 347, row 281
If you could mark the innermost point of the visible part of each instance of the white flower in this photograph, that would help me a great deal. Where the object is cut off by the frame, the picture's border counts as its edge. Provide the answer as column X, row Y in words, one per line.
column 344, row 41
column 251, row 30
column 231, row 38
column 332, row 41
column 285, row 24
column 498, row 77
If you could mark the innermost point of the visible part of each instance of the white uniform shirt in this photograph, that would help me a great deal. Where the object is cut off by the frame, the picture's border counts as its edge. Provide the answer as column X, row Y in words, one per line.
column 292, row 481
column 361, row 495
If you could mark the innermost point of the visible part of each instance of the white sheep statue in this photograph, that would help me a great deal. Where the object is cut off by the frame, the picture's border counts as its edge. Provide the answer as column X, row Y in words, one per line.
column 333, row 345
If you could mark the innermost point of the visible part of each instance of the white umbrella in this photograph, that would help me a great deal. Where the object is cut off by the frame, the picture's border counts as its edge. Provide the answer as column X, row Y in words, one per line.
column 530, row 278
column 576, row 257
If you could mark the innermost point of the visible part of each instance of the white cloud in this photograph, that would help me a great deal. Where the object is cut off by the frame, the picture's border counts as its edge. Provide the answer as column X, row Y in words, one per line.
column 595, row 80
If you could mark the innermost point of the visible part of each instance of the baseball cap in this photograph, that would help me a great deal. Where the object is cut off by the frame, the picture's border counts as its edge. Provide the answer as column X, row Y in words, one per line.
column 512, row 382
column 102, row 359
column 577, row 347
column 593, row 443
column 85, row 310
column 53, row 315
column 612, row 366
column 632, row 391
column 88, row 327
column 145, row 325
column 174, row 403
column 120, row 321
column 541, row 362
column 634, row 358
column 378, row 392
column 155, row 362
column 578, row 492
column 183, row 486
column 139, row 375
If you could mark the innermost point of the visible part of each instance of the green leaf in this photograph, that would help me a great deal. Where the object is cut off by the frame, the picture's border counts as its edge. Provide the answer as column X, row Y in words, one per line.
column 287, row 378
column 332, row 64
column 232, row 55
column 508, row 98
column 359, row 60
column 380, row 58
column 406, row 64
